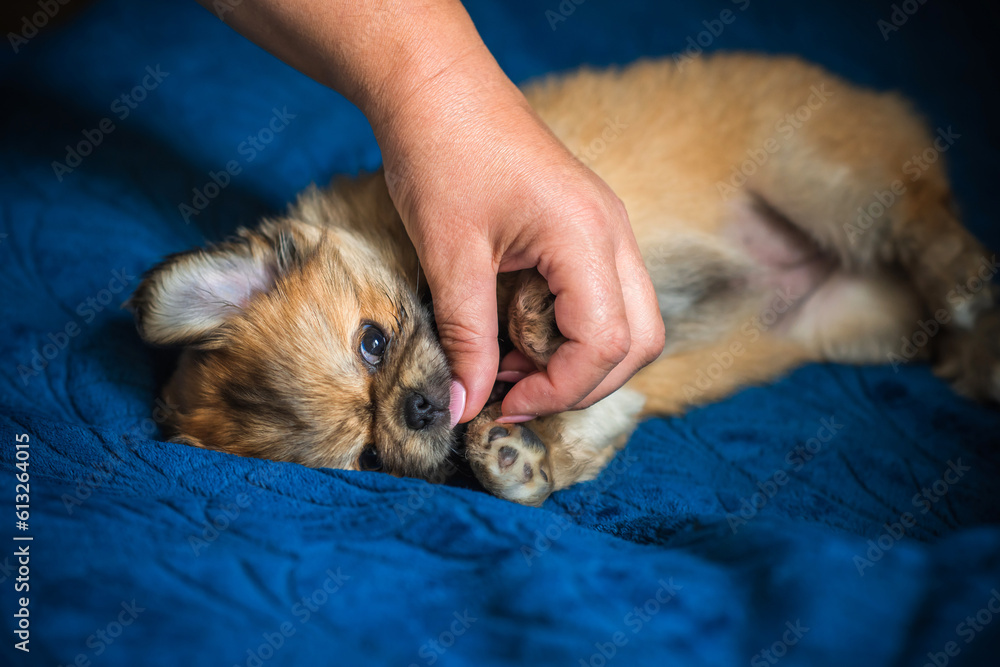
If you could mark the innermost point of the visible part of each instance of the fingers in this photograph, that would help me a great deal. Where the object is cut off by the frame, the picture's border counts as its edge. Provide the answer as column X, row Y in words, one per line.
column 610, row 316
column 465, row 313
column 516, row 362
column 590, row 312
column 514, row 198
column 645, row 327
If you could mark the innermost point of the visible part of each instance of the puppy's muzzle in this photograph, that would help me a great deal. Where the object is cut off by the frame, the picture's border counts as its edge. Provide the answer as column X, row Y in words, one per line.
column 419, row 412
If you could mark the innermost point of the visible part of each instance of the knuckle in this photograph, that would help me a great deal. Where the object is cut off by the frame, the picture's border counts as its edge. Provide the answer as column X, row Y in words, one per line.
column 651, row 342
column 612, row 344
column 587, row 219
column 618, row 208
column 593, row 211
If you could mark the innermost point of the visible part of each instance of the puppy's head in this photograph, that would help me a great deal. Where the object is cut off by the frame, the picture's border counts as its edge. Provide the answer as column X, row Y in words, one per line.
column 305, row 341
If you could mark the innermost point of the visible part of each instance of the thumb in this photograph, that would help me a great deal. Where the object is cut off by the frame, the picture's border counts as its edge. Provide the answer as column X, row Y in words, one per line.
column 465, row 310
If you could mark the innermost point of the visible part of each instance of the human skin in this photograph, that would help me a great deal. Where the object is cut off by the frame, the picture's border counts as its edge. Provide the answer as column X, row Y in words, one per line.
column 482, row 186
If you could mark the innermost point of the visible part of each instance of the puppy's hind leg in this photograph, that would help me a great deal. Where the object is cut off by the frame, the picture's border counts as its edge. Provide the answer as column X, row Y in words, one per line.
column 856, row 178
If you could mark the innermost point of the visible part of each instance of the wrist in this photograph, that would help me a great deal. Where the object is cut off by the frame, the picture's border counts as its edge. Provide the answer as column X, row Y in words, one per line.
column 434, row 87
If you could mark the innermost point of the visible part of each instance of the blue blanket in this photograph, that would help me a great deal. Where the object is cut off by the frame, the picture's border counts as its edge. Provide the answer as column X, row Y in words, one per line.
column 842, row 516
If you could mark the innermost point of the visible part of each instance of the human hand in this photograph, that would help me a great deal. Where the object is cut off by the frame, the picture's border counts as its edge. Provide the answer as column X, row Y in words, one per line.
column 483, row 187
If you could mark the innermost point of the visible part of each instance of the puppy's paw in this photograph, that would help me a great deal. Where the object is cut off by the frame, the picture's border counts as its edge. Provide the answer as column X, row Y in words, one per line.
column 509, row 460
column 531, row 319
column 970, row 360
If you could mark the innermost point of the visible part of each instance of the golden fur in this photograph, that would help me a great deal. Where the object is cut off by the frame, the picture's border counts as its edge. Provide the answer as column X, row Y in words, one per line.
column 778, row 208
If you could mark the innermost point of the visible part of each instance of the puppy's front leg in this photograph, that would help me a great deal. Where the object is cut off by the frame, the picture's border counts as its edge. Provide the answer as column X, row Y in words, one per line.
column 527, row 462
column 511, row 461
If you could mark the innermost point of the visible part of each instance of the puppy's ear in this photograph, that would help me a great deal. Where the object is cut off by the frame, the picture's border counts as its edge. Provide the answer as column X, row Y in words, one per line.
column 187, row 297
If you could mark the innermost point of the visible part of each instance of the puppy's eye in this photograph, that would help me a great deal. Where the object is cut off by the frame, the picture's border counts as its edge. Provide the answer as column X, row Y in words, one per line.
column 370, row 459
column 373, row 344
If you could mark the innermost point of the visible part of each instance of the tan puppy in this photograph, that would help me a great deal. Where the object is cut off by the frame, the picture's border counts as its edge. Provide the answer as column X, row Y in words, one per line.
column 785, row 216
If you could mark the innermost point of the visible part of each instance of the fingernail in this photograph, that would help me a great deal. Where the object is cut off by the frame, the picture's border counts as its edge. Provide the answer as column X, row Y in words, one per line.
column 514, row 419
column 456, row 406
column 510, row 376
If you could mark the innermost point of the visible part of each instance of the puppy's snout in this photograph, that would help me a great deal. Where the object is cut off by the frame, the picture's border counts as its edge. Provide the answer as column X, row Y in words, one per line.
column 419, row 412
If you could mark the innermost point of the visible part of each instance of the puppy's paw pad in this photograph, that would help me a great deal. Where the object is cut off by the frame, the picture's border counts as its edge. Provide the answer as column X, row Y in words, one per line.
column 510, row 461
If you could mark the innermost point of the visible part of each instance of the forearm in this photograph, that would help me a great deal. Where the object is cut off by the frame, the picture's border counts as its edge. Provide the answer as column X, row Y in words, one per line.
column 380, row 54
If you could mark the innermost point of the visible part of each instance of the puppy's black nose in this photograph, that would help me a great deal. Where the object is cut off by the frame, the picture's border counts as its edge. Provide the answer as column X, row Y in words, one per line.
column 419, row 412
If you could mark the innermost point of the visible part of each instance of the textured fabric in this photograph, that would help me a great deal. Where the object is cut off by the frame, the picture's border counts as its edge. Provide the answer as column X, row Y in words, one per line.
column 768, row 527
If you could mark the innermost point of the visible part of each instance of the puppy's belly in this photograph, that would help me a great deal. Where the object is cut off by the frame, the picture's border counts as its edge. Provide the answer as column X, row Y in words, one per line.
column 804, row 294
column 762, row 270
column 758, row 265
column 788, row 268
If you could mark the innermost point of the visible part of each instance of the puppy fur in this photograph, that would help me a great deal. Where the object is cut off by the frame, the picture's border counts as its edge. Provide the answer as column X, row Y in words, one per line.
column 763, row 260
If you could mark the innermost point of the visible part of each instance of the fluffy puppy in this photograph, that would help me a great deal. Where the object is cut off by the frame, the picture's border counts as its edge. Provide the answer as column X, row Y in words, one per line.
column 304, row 340
column 784, row 215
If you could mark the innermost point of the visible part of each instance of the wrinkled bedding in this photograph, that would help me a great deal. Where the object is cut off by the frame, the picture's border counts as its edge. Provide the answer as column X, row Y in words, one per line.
column 843, row 516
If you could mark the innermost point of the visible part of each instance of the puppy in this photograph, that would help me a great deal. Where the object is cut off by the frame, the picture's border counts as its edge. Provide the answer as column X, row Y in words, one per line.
column 784, row 215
